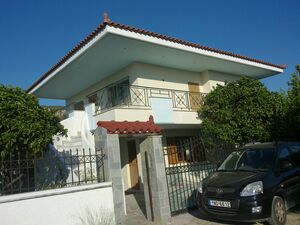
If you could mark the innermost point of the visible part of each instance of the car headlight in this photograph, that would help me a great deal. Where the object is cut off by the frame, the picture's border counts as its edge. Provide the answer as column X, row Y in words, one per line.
column 252, row 189
column 200, row 187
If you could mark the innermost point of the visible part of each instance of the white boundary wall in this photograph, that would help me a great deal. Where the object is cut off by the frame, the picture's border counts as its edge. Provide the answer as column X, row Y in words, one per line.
column 65, row 206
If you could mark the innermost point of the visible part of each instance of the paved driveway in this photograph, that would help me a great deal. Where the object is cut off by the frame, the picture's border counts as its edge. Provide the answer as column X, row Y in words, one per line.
column 194, row 218
column 136, row 215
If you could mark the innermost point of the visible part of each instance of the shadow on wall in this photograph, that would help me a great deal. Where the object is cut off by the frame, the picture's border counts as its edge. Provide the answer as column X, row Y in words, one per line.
column 51, row 171
column 140, row 199
column 62, row 168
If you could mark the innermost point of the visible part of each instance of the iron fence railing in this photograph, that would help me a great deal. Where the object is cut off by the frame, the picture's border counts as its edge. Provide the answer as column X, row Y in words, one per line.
column 132, row 96
column 25, row 173
column 187, row 162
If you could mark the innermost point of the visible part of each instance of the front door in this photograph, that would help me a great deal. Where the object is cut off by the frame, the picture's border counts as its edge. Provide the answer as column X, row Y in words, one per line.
column 133, row 165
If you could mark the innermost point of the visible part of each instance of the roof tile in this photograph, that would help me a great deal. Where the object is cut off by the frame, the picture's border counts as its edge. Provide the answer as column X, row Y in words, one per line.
column 125, row 127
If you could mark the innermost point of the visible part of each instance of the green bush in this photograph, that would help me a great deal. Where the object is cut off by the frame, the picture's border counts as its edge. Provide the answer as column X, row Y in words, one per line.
column 25, row 126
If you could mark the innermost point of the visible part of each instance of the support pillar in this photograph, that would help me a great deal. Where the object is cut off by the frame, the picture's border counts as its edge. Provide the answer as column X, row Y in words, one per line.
column 109, row 144
column 154, row 177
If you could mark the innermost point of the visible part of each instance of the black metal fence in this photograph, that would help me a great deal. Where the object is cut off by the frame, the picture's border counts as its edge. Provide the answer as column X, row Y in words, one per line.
column 187, row 162
column 53, row 169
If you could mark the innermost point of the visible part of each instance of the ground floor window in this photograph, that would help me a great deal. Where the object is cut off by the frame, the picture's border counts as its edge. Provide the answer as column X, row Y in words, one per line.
column 184, row 149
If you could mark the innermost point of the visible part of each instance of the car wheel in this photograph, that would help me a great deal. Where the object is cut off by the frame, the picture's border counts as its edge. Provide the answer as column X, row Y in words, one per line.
column 278, row 213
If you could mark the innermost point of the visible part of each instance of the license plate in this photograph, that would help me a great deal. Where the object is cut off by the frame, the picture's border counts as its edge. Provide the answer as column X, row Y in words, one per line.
column 216, row 203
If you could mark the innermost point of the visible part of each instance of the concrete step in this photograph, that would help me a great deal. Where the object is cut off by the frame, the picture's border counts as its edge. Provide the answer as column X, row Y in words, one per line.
column 72, row 143
column 68, row 147
column 76, row 138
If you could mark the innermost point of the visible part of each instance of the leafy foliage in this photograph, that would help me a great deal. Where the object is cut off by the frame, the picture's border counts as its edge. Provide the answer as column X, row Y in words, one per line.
column 242, row 111
column 279, row 126
column 25, row 126
column 293, row 114
column 58, row 111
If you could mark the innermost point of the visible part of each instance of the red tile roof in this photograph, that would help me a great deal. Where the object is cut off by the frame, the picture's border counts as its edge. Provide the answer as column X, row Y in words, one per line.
column 125, row 127
column 107, row 22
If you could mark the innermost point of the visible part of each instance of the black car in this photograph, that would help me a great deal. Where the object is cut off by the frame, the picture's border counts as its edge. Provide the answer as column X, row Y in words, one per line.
column 256, row 183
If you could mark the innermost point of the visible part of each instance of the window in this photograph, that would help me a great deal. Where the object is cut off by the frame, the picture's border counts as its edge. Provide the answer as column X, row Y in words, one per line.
column 295, row 154
column 284, row 159
column 284, row 154
column 118, row 94
column 183, row 149
column 250, row 159
column 231, row 161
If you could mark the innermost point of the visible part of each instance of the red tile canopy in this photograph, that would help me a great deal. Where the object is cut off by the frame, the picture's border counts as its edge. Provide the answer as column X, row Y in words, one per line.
column 125, row 127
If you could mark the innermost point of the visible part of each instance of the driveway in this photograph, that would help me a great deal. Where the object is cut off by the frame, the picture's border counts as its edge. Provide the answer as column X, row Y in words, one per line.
column 194, row 218
column 136, row 215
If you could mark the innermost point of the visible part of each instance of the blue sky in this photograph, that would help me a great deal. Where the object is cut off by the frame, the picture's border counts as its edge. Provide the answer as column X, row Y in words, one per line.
column 35, row 34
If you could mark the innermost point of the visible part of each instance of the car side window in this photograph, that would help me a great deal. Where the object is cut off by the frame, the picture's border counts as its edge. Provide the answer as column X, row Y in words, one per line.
column 295, row 154
column 284, row 159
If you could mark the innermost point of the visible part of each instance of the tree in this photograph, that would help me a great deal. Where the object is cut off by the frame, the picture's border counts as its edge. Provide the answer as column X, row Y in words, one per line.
column 25, row 126
column 241, row 111
column 279, row 126
column 58, row 111
column 293, row 114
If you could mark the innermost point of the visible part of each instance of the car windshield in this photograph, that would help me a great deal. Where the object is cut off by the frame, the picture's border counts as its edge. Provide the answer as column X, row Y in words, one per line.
column 249, row 160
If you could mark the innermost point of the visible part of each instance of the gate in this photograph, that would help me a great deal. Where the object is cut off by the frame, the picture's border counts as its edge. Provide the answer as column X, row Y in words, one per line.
column 187, row 162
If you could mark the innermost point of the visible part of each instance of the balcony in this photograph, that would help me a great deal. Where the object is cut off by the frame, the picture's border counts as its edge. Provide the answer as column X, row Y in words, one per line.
column 139, row 97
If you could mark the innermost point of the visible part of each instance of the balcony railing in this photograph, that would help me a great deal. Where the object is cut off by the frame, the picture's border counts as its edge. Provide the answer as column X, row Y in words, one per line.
column 130, row 96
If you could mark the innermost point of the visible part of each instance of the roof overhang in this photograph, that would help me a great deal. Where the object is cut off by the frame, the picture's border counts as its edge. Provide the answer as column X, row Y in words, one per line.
column 114, row 48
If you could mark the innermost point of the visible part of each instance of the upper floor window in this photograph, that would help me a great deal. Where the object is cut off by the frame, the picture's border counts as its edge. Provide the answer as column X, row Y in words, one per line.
column 112, row 95
column 118, row 93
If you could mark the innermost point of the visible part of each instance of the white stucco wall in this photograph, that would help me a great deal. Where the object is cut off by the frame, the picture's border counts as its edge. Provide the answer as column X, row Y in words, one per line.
column 210, row 79
column 160, row 77
column 122, row 74
column 79, row 136
column 73, row 123
column 157, row 77
column 60, row 206
column 179, row 117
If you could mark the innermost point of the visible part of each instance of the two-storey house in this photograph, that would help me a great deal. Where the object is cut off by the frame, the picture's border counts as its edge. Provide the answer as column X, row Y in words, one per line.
column 123, row 73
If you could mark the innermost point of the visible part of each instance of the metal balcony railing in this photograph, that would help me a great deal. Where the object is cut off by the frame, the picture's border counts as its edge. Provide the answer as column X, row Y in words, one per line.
column 131, row 96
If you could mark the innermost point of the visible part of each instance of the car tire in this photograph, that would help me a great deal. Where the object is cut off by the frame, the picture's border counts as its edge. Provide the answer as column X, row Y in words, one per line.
column 278, row 213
